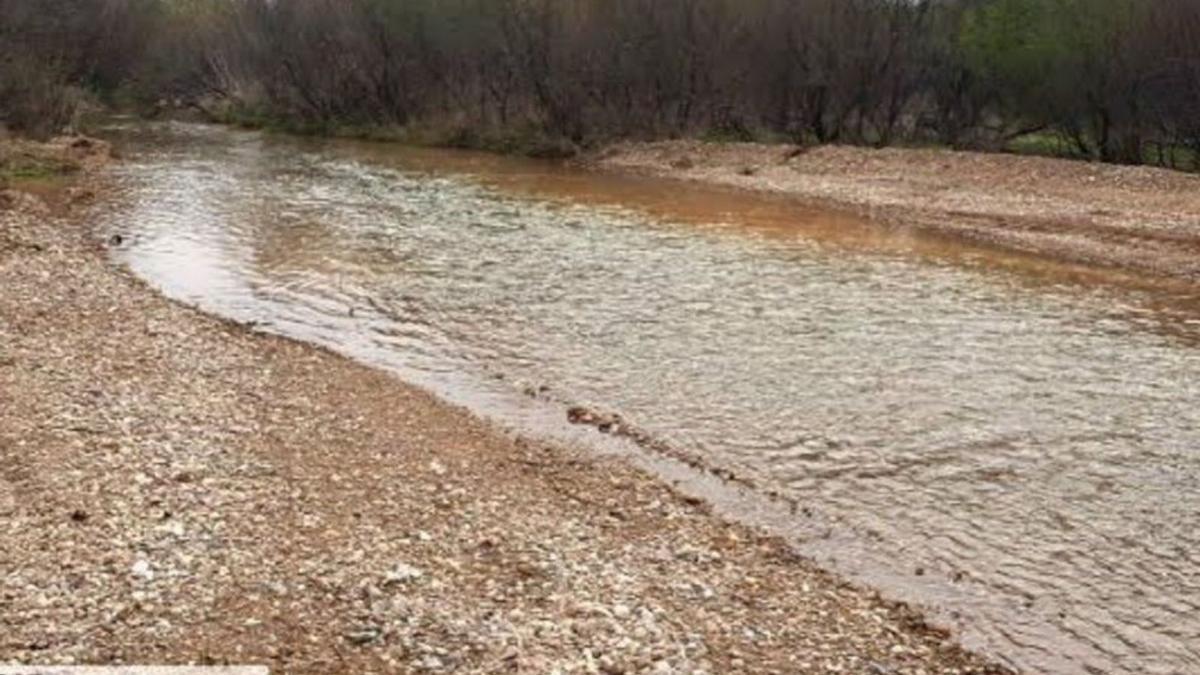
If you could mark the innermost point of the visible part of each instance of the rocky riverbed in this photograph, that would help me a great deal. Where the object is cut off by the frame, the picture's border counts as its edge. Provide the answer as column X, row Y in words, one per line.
column 179, row 489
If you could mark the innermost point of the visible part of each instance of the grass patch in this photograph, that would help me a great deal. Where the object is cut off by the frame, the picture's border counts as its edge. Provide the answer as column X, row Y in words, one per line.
column 730, row 133
column 1050, row 144
column 22, row 162
column 522, row 141
column 530, row 140
column 1045, row 144
column 527, row 141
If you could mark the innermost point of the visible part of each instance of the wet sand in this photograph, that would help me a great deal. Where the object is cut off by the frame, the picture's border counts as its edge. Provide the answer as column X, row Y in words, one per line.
column 1140, row 219
column 179, row 489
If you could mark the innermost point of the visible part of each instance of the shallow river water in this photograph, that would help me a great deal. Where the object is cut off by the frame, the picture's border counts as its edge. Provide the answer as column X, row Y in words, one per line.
column 1011, row 443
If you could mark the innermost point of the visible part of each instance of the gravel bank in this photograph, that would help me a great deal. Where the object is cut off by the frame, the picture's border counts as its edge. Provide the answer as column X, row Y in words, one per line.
column 179, row 489
column 1135, row 218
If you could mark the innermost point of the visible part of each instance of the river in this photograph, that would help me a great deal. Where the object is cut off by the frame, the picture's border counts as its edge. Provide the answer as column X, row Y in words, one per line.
column 1012, row 444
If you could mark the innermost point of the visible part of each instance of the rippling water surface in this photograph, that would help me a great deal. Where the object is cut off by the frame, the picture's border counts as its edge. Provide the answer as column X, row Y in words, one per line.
column 1013, row 443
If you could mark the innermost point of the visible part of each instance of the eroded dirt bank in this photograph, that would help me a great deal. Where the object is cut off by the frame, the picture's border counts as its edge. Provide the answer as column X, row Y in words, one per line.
column 174, row 488
column 1135, row 218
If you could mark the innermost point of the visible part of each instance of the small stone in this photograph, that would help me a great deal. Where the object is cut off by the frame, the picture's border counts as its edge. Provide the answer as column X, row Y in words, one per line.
column 142, row 570
column 402, row 573
column 363, row 635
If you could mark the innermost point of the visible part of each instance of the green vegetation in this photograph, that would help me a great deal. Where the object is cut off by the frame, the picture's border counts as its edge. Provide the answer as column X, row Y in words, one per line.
column 22, row 162
column 1111, row 80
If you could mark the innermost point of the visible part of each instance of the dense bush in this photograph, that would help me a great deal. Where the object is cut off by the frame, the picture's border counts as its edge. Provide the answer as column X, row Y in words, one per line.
column 35, row 99
column 53, row 51
column 1117, row 80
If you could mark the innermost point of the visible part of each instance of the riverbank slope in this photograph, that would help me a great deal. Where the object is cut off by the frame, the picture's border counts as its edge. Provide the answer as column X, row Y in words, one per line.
column 175, row 488
column 1141, row 219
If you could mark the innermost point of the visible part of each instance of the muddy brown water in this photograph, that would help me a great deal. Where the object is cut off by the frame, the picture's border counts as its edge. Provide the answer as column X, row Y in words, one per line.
column 1010, row 443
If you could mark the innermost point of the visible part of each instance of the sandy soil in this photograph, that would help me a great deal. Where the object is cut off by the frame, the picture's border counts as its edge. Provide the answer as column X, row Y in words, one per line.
column 175, row 489
column 1135, row 218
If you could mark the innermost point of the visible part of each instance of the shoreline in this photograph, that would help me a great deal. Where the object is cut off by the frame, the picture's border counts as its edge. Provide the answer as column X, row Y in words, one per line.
column 179, row 489
column 1134, row 219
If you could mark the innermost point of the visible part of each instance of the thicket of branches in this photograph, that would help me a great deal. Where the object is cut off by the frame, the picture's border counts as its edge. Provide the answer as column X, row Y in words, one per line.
column 53, row 53
column 1117, row 80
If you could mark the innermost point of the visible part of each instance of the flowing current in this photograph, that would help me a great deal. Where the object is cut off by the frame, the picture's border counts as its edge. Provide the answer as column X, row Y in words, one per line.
column 1012, row 444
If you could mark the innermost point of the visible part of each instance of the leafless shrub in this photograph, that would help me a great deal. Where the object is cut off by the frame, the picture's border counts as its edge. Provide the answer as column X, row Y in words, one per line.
column 1117, row 80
